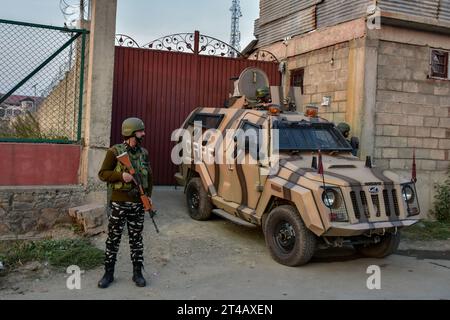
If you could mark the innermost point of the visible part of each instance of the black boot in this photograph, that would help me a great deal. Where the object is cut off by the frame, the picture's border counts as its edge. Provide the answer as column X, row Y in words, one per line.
column 108, row 277
column 137, row 275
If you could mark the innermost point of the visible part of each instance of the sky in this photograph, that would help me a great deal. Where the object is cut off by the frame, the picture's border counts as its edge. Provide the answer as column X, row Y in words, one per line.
column 147, row 20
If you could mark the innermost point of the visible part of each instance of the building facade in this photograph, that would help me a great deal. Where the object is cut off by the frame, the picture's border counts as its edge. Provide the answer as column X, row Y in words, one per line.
column 382, row 66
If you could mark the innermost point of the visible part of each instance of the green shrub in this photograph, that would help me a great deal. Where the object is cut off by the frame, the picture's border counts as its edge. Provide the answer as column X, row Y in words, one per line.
column 427, row 231
column 58, row 253
column 441, row 208
column 26, row 126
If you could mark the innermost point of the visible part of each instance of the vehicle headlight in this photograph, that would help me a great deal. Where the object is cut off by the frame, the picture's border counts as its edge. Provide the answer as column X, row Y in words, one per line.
column 408, row 194
column 333, row 199
column 330, row 198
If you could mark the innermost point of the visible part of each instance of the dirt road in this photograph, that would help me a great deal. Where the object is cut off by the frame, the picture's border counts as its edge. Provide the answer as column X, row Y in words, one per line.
column 220, row 260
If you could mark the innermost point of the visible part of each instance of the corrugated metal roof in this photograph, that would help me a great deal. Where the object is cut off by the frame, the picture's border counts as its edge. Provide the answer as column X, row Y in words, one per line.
column 274, row 10
column 256, row 28
column 332, row 12
column 292, row 25
column 421, row 8
column 281, row 18
column 444, row 11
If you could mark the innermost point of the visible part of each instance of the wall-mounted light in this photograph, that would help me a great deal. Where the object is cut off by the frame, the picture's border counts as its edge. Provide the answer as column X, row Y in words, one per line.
column 286, row 40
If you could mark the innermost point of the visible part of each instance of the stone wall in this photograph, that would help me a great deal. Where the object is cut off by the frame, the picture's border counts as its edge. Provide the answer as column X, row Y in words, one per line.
column 412, row 111
column 28, row 209
column 326, row 74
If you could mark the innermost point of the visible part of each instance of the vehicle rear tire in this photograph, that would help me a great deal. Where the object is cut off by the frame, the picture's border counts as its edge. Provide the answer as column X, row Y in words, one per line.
column 388, row 245
column 198, row 202
column 289, row 241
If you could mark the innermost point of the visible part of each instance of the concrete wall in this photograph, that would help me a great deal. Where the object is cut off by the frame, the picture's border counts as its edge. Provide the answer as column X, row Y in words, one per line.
column 99, row 87
column 412, row 111
column 318, row 39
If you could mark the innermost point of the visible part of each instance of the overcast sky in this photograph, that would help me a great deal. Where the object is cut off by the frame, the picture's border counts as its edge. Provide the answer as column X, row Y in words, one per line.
column 147, row 20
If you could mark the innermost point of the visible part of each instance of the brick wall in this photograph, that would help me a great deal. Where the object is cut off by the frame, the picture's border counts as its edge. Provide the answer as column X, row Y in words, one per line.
column 324, row 78
column 412, row 110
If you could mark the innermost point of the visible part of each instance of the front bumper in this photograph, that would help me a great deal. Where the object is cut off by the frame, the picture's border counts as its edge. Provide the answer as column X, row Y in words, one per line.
column 346, row 229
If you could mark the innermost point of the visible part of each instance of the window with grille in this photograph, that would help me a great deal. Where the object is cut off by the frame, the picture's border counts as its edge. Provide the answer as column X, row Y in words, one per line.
column 439, row 64
column 297, row 77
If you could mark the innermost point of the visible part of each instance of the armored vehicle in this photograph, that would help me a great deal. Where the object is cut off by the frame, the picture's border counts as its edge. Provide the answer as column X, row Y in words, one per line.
column 296, row 178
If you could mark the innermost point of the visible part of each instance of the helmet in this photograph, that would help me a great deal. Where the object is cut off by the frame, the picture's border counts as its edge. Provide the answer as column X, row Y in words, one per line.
column 131, row 125
column 262, row 92
column 343, row 127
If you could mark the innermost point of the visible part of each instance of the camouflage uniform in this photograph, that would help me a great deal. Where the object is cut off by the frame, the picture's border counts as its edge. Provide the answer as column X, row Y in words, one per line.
column 125, row 203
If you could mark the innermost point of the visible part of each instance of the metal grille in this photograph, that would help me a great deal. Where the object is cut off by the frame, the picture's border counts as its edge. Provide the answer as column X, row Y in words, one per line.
column 355, row 205
column 41, row 73
column 396, row 208
column 387, row 206
column 364, row 203
column 376, row 204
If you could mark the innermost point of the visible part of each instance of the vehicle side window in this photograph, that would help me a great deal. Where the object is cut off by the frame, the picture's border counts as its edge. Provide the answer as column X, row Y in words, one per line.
column 209, row 121
column 247, row 126
column 252, row 139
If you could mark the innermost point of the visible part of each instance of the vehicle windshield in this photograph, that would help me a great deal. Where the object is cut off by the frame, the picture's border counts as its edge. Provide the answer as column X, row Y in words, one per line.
column 310, row 136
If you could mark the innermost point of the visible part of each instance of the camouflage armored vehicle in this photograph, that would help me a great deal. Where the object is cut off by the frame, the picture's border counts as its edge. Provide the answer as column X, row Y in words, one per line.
column 313, row 194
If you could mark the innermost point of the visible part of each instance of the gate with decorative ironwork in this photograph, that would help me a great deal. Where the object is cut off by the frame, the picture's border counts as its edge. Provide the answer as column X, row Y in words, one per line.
column 163, row 81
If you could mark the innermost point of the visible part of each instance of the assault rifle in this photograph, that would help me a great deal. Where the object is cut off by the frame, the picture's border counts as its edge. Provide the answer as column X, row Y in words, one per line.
column 124, row 159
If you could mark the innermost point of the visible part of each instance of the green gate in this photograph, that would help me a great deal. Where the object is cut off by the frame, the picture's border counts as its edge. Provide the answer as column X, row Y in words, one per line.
column 41, row 82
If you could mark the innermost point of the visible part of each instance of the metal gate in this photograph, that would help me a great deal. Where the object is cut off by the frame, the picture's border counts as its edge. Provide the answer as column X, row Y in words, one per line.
column 163, row 86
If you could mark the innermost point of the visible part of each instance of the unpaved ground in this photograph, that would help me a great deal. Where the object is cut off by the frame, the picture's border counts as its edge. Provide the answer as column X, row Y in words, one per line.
column 220, row 260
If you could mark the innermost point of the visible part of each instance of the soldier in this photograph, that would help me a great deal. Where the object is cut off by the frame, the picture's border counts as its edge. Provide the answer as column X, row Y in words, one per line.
column 261, row 100
column 125, row 201
column 263, row 95
column 344, row 128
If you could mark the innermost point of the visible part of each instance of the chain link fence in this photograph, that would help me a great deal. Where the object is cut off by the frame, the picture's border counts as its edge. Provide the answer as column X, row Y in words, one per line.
column 41, row 82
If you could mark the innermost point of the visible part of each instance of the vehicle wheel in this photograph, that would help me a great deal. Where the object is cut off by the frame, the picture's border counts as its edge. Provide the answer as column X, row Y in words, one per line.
column 198, row 201
column 289, row 241
column 388, row 245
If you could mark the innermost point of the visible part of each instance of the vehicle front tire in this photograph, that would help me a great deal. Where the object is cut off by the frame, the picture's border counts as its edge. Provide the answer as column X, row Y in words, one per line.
column 388, row 245
column 198, row 202
column 289, row 241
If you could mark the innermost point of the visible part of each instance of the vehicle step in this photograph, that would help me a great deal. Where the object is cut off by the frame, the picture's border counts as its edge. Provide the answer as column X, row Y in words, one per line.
column 232, row 218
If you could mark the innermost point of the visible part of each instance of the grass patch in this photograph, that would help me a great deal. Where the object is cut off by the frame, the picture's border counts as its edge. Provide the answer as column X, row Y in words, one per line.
column 428, row 230
column 58, row 253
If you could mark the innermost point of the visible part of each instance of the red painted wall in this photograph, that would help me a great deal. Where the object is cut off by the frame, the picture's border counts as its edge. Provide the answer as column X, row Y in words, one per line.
column 26, row 164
